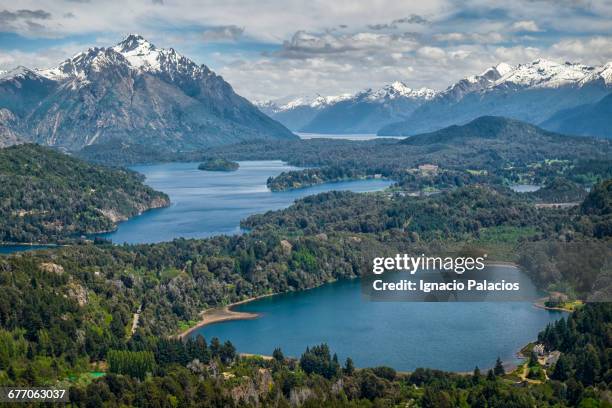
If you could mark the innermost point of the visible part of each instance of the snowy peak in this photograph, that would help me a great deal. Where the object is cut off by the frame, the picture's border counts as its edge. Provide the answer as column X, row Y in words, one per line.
column 475, row 83
column 314, row 102
column 18, row 72
column 601, row 74
column 135, row 53
column 538, row 74
column 144, row 56
column 399, row 89
column 134, row 43
column 389, row 92
column 323, row 101
column 141, row 54
column 543, row 73
column 503, row 68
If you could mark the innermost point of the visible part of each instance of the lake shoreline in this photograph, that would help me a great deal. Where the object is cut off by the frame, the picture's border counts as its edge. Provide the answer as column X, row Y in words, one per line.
column 224, row 314
column 540, row 303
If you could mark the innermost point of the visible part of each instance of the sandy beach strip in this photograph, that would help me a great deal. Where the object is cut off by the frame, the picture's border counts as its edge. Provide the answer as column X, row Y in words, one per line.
column 223, row 314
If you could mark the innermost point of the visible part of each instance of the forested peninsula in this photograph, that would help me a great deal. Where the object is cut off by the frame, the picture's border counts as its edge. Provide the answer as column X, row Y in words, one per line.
column 51, row 197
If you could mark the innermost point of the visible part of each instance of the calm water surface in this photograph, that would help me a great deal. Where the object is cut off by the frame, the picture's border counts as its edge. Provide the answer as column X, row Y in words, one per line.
column 347, row 136
column 525, row 188
column 448, row 336
column 206, row 203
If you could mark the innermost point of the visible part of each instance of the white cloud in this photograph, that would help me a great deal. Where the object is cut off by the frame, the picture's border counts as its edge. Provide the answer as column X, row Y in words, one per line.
column 223, row 33
column 45, row 58
column 596, row 49
column 491, row 37
column 517, row 54
column 434, row 53
column 358, row 45
column 526, row 26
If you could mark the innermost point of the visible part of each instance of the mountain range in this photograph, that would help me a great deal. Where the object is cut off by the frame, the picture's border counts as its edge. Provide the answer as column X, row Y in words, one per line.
column 363, row 112
column 133, row 91
column 531, row 93
column 534, row 92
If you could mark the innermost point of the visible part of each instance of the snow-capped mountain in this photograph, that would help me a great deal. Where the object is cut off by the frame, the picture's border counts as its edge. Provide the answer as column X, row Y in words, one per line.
column 362, row 112
column 543, row 73
column 475, row 83
column 314, row 102
column 398, row 90
column 296, row 113
column 133, row 91
column 530, row 92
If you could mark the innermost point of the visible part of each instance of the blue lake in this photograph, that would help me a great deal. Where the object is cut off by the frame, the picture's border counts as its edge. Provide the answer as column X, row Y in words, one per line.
column 206, row 203
column 345, row 136
column 403, row 335
column 525, row 188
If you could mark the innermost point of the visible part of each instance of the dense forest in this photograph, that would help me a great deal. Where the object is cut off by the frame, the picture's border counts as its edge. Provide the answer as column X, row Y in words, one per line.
column 47, row 196
column 560, row 190
column 66, row 314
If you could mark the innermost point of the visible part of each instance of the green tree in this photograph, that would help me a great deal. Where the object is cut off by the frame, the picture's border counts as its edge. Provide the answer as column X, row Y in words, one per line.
column 476, row 376
column 349, row 367
column 499, row 368
column 277, row 354
column 133, row 363
column 562, row 370
column 587, row 366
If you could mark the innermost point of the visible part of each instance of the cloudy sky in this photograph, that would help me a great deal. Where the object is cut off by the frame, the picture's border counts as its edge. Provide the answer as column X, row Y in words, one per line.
column 270, row 49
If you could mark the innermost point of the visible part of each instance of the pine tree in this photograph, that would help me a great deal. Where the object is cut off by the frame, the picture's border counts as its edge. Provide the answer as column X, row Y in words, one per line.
column 499, row 368
column 588, row 366
column 215, row 347
column 349, row 367
column 476, row 375
column 533, row 359
column 11, row 373
column 562, row 369
column 277, row 354
column 228, row 352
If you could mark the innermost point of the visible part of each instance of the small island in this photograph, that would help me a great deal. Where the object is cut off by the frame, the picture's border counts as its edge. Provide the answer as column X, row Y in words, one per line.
column 218, row 165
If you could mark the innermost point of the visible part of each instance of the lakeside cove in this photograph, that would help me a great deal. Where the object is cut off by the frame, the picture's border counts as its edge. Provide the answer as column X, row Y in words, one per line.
column 402, row 335
column 514, row 363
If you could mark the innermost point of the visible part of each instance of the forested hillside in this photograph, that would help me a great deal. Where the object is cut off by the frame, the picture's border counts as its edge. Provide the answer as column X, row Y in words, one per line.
column 47, row 196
